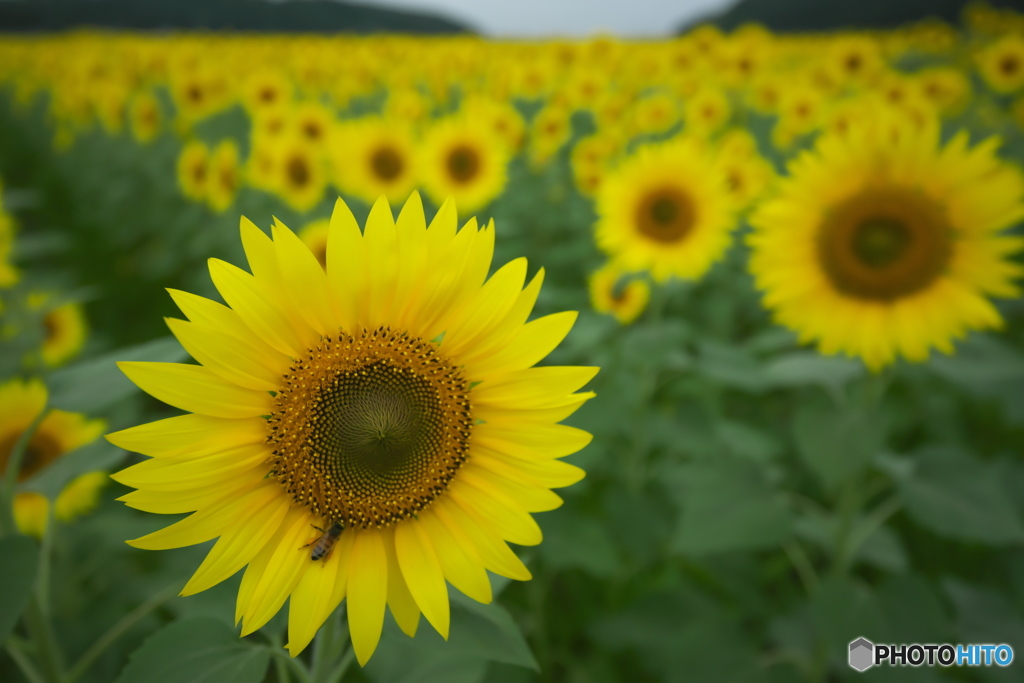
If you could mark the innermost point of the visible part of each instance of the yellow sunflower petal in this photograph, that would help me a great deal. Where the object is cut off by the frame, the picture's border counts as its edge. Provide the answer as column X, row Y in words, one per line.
column 195, row 389
column 423, row 575
column 317, row 594
column 367, row 592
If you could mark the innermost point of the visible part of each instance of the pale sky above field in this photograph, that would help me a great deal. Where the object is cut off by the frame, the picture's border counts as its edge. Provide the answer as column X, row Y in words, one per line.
column 634, row 18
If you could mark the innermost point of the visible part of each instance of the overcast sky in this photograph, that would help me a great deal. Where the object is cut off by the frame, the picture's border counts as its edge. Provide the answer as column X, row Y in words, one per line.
column 567, row 17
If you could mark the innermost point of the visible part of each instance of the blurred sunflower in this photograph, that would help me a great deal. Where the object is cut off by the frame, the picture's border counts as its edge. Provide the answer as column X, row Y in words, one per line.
column 882, row 242
column 224, row 178
column 9, row 275
column 613, row 292
column 64, row 328
column 326, row 397
column 313, row 122
column 314, row 236
column 375, row 157
column 463, row 159
column 1001, row 64
column 58, row 433
column 666, row 210
column 300, row 174
column 193, row 170
column 145, row 117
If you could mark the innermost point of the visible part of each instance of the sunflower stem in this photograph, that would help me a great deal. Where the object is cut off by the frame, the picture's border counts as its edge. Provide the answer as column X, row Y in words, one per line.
column 339, row 671
column 118, row 629
column 648, row 383
column 288, row 663
column 24, row 662
column 852, row 496
column 45, row 557
column 323, row 647
column 10, row 475
column 47, row 649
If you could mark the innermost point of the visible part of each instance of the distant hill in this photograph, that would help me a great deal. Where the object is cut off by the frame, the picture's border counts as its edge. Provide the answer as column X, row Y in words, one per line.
column 323, row 16
column 824, row 15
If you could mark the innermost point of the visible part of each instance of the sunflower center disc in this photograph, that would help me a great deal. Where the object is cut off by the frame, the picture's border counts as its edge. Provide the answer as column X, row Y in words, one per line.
column 369, row 429
column 883, row 244
column 298, row 171
column 387, row 163
column 463, row 164
column 666, row 215
column 42, row 449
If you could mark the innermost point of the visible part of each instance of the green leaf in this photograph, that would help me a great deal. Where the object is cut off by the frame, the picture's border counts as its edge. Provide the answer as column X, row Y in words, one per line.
column 836, row 444
column 980, row 360
column 914, row 611
column 844, row 609
column 19, row 560
column 95, row 384
column 803, row 368
column 479, row 634
column 491, row 631
column 728, row 506
column 676, row 637
column 197, row 650
column 961, row 498
column 730, row 366
column 574, row 541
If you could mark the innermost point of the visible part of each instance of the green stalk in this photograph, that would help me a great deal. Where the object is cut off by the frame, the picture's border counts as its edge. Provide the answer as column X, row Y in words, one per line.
column 24, row 663
column 47, row 649
column 648, row 382
column 323, row 648
column 119, row 629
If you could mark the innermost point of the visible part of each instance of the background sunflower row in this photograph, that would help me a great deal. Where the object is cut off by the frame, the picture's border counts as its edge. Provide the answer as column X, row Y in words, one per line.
column 731, row 466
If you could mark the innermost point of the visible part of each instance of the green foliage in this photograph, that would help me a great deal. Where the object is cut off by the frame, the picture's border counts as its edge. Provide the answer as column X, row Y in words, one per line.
column 19, row 561
column 750, row 506
column 196, row 651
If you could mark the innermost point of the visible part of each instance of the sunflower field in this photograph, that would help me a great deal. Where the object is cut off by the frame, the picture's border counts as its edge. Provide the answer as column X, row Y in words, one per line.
column 393, row 358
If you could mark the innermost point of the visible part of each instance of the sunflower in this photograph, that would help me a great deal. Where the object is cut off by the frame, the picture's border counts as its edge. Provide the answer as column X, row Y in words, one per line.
column 393, row 394
column 706, row 111
column 611, row 291
column 313, row 122
column 145, row 117
column 1002, row 64
column 374, row 157
column 314, row 236
column 266, row 90
column 64, row 328
column 58, row 433
column 193, row 170
column 8, row 273
column 300, row 174
column 463, row 159
column 883, row 242
column 666, row 210
column 224, row 176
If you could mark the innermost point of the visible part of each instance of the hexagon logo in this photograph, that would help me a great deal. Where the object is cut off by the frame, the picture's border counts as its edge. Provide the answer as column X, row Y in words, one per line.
column 862, row 653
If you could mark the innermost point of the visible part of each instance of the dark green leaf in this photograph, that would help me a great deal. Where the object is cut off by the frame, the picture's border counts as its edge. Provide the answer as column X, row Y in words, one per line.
column 19, row 560
column 836, row 444
column 728, row 506
column 802, row 368
column 574, row 541
column 479, row 634
column 962, row 498
column 92, row 385
column 200, row 650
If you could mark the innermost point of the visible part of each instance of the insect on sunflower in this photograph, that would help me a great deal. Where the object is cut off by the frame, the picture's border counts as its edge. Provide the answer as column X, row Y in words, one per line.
column 393, row 393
